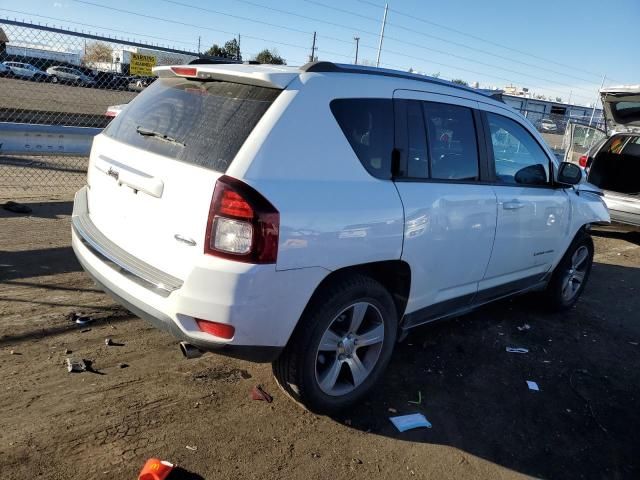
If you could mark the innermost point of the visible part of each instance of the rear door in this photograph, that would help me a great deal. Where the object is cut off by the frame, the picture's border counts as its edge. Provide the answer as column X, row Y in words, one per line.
column 533, row 216
column 153, row 170
column 450, row 214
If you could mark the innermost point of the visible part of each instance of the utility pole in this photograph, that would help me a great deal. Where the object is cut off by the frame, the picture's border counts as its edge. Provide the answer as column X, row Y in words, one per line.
column 313, row 49
column 593, row 112
column 198, row 44
column 239, row 57
column 384, row 22
column 357, row 39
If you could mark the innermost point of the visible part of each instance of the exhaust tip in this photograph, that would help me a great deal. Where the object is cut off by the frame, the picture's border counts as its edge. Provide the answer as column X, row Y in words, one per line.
column 189, row 351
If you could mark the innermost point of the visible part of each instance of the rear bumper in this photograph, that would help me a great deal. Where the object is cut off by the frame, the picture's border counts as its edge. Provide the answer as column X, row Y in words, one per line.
column 262, row 304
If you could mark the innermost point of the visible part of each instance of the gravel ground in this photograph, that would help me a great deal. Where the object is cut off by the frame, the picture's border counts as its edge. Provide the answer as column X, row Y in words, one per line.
column 24, row 94
column 583, row 423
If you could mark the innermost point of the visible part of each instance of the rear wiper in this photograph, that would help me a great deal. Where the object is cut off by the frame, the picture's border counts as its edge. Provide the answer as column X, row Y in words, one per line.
column 146, row 132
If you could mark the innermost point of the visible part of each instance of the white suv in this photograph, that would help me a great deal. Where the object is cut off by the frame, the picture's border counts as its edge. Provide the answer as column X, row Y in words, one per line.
column 311, row 216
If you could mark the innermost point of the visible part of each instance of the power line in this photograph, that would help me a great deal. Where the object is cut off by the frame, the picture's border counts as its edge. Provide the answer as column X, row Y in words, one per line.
column 96, row 26
column 458, row 44
column 475, row 37
column 217, row 12
column 305, row 32
column 177, row 22
column 374, row 34
column 510, row 80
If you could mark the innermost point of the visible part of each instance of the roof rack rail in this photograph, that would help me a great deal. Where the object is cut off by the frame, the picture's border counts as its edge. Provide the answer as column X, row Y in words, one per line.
column 326, row 67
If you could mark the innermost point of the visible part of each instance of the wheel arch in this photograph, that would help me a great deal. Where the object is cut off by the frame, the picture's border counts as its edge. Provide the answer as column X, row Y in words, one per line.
column 394, row 275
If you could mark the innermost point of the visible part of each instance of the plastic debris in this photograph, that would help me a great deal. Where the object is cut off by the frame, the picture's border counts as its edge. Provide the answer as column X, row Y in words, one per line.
column 79, row 318
column 76, row 365
column 419, row 401
column 533, row 386
column 155, row 469
column 408, row 422
column 392, row 410
column 192, row 448
column 526, row 326
column 123, row 365
column 257, row 393
column 16, row 207
column 517, row 350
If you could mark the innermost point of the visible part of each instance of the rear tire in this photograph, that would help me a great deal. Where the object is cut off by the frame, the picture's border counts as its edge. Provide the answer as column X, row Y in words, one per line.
column 571, row 274
column 341, row 346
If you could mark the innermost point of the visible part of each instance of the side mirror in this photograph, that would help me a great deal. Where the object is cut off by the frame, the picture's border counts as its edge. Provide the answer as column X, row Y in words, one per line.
column 569, row 174
column 531, row 175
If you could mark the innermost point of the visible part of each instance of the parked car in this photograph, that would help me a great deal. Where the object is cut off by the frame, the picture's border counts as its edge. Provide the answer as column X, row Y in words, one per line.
column 547, row 125
column 70, row 75
column 111, row 81
column 613, row 163
column 310, row 217
column 28, row 71
column 5, row 71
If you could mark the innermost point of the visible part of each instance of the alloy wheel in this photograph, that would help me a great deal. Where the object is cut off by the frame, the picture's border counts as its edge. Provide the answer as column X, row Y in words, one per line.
column 349, row 349
column 575, row 274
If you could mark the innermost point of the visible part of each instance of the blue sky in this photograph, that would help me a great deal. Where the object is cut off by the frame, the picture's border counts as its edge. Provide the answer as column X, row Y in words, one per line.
column 551, row 47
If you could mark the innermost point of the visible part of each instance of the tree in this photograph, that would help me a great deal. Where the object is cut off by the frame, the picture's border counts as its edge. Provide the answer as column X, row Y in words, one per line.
column 98, row 52
column 216, row 51
column 559, row 99
column 459, row 81
column 232, row 49
column 271, row 57
column 436, row 75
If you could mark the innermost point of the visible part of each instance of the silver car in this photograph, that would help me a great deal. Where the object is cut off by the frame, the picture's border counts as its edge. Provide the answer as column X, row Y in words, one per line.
column 28, row 71
column 70, row 75
column 613, row 164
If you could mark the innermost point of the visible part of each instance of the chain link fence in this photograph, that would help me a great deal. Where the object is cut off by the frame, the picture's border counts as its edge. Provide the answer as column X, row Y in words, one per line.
column 55, row 77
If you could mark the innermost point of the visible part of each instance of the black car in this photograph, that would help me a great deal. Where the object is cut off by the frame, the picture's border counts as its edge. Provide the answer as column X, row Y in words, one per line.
column 111, row 81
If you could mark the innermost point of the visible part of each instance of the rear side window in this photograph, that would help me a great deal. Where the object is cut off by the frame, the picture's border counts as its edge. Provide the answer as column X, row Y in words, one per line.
column 202, row 123
column 452, row 142
column 367, row 123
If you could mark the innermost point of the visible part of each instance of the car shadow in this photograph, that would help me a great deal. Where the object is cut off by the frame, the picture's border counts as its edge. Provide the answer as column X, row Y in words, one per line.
column 29, row 263
column 584, row 421
column 41, row 210
column 619, row 232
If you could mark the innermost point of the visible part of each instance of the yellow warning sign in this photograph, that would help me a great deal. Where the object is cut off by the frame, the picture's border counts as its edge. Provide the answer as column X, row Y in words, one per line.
column 142, row 64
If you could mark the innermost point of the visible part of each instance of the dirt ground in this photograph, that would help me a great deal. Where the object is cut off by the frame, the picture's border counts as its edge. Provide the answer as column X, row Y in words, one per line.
column 583, row 423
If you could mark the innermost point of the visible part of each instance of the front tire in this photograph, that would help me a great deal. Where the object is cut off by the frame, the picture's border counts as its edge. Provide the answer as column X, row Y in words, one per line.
column 341, row 345
column 571, row 274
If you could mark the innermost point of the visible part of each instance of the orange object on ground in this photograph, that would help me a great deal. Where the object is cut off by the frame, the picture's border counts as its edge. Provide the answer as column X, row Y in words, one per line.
column 155, row 469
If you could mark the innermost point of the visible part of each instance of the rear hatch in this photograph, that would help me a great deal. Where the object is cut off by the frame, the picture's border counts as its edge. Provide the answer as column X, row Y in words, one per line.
column 153, row 170
column 621, row 108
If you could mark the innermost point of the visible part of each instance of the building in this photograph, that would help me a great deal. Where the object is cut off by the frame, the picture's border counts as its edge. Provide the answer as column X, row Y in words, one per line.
column 137, row 60
column 536, row 109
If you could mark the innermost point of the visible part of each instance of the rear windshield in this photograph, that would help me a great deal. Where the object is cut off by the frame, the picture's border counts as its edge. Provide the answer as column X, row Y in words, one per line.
column 202, row 123
column 625, row 112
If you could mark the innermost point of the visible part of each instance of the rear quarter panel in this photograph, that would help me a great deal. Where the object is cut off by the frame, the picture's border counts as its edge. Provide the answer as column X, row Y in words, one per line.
column 333, row 213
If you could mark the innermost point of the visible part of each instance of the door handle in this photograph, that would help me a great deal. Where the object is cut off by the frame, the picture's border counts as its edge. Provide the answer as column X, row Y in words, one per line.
column 512, row 205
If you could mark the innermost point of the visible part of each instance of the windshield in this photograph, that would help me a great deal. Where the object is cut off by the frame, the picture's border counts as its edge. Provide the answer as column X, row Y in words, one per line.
column 203, row 123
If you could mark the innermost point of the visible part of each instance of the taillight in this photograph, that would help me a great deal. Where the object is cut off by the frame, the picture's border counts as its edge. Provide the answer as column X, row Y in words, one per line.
column 222, row 330
column 185, row 71
column 582, row 161
column 242, row 224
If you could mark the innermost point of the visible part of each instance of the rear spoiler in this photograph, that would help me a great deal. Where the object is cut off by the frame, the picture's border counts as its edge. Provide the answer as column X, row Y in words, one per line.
column 268, row 77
